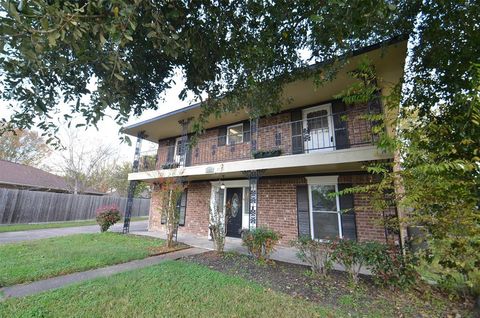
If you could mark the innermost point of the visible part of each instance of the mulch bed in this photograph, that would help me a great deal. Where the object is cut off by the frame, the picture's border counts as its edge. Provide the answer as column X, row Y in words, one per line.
column 335, row 291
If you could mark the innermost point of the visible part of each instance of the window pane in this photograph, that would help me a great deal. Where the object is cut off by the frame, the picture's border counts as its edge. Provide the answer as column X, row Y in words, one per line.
column 320, row 199
column 180, row 148
column 325, row 225
column 318, row 120
column 235, row 134
column 181, row 219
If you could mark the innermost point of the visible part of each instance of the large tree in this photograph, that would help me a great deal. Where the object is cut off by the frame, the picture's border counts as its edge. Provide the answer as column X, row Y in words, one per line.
column 242, row 51
column 23, row 146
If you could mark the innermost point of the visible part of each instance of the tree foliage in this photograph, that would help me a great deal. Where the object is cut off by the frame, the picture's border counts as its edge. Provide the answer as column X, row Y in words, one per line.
column 23, row 146
column 55, row 51
column 438, row 182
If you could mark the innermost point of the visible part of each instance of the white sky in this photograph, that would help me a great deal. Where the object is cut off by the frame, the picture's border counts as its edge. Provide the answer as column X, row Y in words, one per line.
column 107, row 132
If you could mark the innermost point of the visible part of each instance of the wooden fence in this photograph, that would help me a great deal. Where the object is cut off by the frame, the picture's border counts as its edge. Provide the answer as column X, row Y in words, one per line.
column 22, row 206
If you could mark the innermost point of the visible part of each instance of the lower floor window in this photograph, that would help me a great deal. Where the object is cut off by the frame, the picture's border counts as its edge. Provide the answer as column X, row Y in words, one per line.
column 325, row 212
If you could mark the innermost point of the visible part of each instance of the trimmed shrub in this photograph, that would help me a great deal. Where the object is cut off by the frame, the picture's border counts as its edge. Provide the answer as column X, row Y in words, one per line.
column 388, row 266
column 351, row 255
column 107, row 216
column 315, row 253
column 260, row 242
column 385, row 262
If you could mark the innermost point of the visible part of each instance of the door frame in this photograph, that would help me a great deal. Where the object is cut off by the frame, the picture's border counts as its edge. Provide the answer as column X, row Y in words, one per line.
column 244, row 184
column 331, row 129
column 176, row 157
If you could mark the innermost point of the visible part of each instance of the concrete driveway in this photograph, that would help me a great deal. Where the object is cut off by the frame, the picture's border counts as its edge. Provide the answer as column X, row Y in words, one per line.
column 10, row 237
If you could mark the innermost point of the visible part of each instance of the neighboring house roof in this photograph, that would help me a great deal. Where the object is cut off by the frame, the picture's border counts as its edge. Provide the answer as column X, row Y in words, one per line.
column 26, row 177
column 166, row 125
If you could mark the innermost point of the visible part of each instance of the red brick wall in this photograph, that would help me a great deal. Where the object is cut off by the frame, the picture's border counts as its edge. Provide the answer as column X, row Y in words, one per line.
column 269, row 127
column 196, row 215
column 370, row 225
column 359, row 128
column 198, row 207
column 277, row 208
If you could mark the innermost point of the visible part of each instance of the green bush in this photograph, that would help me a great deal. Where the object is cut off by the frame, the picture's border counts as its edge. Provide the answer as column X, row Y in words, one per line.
column 388, row 265
column 107, row 216
column 266, row 153
column 170, row 165
column 315, row 253
column 385, row 262
column 351, row 255
column 260, row 242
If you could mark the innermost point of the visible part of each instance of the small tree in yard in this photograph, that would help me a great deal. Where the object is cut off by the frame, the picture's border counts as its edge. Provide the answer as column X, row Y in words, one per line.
column 107, row 216
column 218, row 223
column 167, row 197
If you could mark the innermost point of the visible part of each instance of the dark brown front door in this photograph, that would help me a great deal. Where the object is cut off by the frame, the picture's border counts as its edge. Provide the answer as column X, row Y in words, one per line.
column 235, row 210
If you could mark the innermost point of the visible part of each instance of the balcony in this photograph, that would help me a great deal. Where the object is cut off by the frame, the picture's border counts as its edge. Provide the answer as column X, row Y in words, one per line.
column 336, row 138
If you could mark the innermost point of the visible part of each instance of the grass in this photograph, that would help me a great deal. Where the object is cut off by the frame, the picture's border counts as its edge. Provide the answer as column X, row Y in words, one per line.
column 40, row 259
column 171, row 289
column 52, row 225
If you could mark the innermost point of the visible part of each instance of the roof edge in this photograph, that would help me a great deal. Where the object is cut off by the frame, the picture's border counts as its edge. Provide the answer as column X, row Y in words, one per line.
column 391, row 41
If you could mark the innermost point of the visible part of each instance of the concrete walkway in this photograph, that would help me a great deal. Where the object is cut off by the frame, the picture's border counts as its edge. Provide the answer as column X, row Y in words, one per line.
column 10, row 237
column 282, row 253
column 60, row 281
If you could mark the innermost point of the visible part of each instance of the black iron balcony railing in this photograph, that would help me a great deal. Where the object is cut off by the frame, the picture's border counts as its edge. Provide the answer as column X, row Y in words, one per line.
column 311, row 134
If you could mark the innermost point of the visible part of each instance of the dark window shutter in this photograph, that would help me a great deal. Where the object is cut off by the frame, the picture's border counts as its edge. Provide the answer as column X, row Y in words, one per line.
column 297, row 129
column 246, row 131
column 303, row 214
column 182, row 208
column 188, row 156
column 349, row 228
column 340, row 124
column 222, row 135
column 171, row 150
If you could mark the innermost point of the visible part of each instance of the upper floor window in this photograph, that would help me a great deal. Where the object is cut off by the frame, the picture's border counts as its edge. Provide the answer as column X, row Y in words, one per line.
column 235, row 134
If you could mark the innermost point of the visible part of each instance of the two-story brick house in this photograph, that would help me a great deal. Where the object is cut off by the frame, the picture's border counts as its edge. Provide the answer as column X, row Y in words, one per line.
column 277, row 171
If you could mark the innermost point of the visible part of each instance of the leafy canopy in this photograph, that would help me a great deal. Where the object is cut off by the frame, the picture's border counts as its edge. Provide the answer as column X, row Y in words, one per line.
column 101, row 55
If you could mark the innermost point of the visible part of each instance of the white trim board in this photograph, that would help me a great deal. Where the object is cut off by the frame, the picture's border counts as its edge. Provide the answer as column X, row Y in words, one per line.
column 322, row 180
column 231, row 183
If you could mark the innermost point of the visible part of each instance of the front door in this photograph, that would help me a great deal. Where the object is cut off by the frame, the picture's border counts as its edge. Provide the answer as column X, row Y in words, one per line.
column 233, row 207
column 317, row 123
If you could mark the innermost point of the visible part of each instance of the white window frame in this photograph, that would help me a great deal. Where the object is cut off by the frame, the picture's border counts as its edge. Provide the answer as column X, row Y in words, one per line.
column 176, row 157
column 324, row 180
column 331, row 128
column 232, row 126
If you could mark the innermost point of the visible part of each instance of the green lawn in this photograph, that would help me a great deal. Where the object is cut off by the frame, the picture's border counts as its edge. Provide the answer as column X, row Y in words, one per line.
column 38, row 226
column 40, row 259
column 171, row 289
